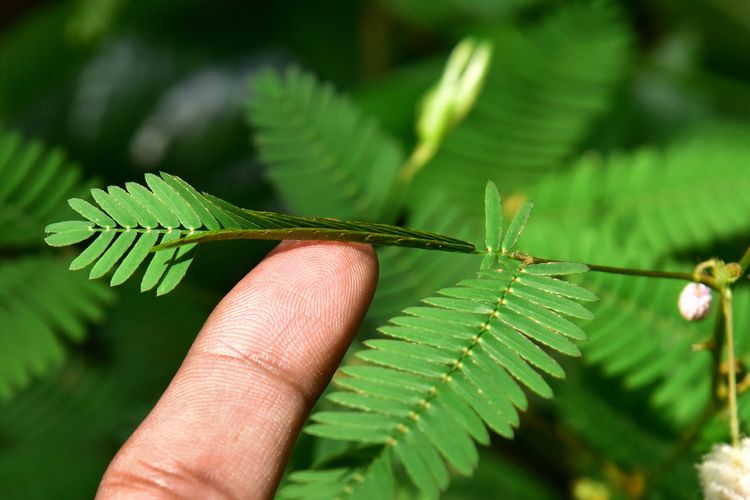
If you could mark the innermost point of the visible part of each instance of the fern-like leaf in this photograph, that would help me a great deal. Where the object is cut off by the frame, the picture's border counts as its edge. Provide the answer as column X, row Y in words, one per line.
column 663, row 201
column 313, row 140
column 41, row 307
column 684, row 196
column 638, row 334
column 449, row 368
column 171, row 217
column 543, row 90
column 128, row 224
column 35, row 184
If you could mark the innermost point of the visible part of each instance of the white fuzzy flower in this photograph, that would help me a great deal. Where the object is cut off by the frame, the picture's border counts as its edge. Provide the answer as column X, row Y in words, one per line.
column 695, row 301
column 725, row 472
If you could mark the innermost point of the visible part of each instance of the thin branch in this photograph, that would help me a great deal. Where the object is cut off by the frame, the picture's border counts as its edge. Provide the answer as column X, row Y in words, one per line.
column 726, row 309
column 699, row 278
column 362, row 234
column 419, row 157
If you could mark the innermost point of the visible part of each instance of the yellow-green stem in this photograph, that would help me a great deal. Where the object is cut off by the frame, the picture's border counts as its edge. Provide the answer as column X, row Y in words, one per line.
column 423, row 153
column 726, row 309
column 627, row 271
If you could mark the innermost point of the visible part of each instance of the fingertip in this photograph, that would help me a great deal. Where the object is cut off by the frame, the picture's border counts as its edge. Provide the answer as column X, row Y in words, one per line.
column 233, row 411
column 312, row 294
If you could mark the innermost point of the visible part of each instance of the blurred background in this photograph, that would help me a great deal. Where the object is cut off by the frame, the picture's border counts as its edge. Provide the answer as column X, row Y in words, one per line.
column 625, row 121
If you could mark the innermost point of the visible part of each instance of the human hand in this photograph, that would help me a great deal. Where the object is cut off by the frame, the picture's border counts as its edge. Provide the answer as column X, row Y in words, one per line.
column 226, row 424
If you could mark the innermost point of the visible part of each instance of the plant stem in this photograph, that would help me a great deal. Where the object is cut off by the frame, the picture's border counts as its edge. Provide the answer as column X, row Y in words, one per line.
column 419, row 157
column 699, row 278
column 726, row 309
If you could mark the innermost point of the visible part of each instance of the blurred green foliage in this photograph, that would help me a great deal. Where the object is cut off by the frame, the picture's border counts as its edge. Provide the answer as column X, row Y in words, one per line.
column 627, row 123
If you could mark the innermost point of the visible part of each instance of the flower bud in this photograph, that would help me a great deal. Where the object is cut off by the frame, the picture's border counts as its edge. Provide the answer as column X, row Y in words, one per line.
column 695, row 301
column 451, row 99
column 725, row 472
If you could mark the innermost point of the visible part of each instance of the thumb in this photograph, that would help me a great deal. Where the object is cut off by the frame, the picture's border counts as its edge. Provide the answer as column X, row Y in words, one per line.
column 226, row 424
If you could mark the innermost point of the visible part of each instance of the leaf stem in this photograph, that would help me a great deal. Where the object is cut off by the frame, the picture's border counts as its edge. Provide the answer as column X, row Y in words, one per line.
column 699, row 278
column 726, row 310
column 413, row 239
column 422, row 153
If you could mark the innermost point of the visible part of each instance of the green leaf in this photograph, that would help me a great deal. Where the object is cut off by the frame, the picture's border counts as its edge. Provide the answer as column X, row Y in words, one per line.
column 490, row 411
column 113, row 254
column 135, row 212
column 370, row 404
column 119, row 213
column 176, row 269
column 545, row 317
column 521, row 371
column 453, row 443
column 361, row 434
column 492, row 218
column 153, row 207
column 93, row 251
column 558, row 287
column 464, row 415
column 42, row 306
column 68, row 233
column 556, row 268
column 417, row 468
column 181, row 208
column 666, row 200
column 453, row 366
column 197, row 202
column 516, row 227
column 91, row 213
column 141, row 216
column 159, row 263
column 22, row 166
column 345, row 419
column 494, row 378
column 70, row 226
column 539, row 334
column 528, row 350
column 315, row 141
column 552, row 302
column 430, row 457
column 36, row 183
column 372, row 387
column 134, row 258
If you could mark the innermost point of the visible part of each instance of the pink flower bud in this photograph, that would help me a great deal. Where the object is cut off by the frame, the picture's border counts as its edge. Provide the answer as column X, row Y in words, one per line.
column 695, row 301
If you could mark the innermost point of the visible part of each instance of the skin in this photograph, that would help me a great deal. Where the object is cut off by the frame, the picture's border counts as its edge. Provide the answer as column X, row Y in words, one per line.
column 225, row 426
